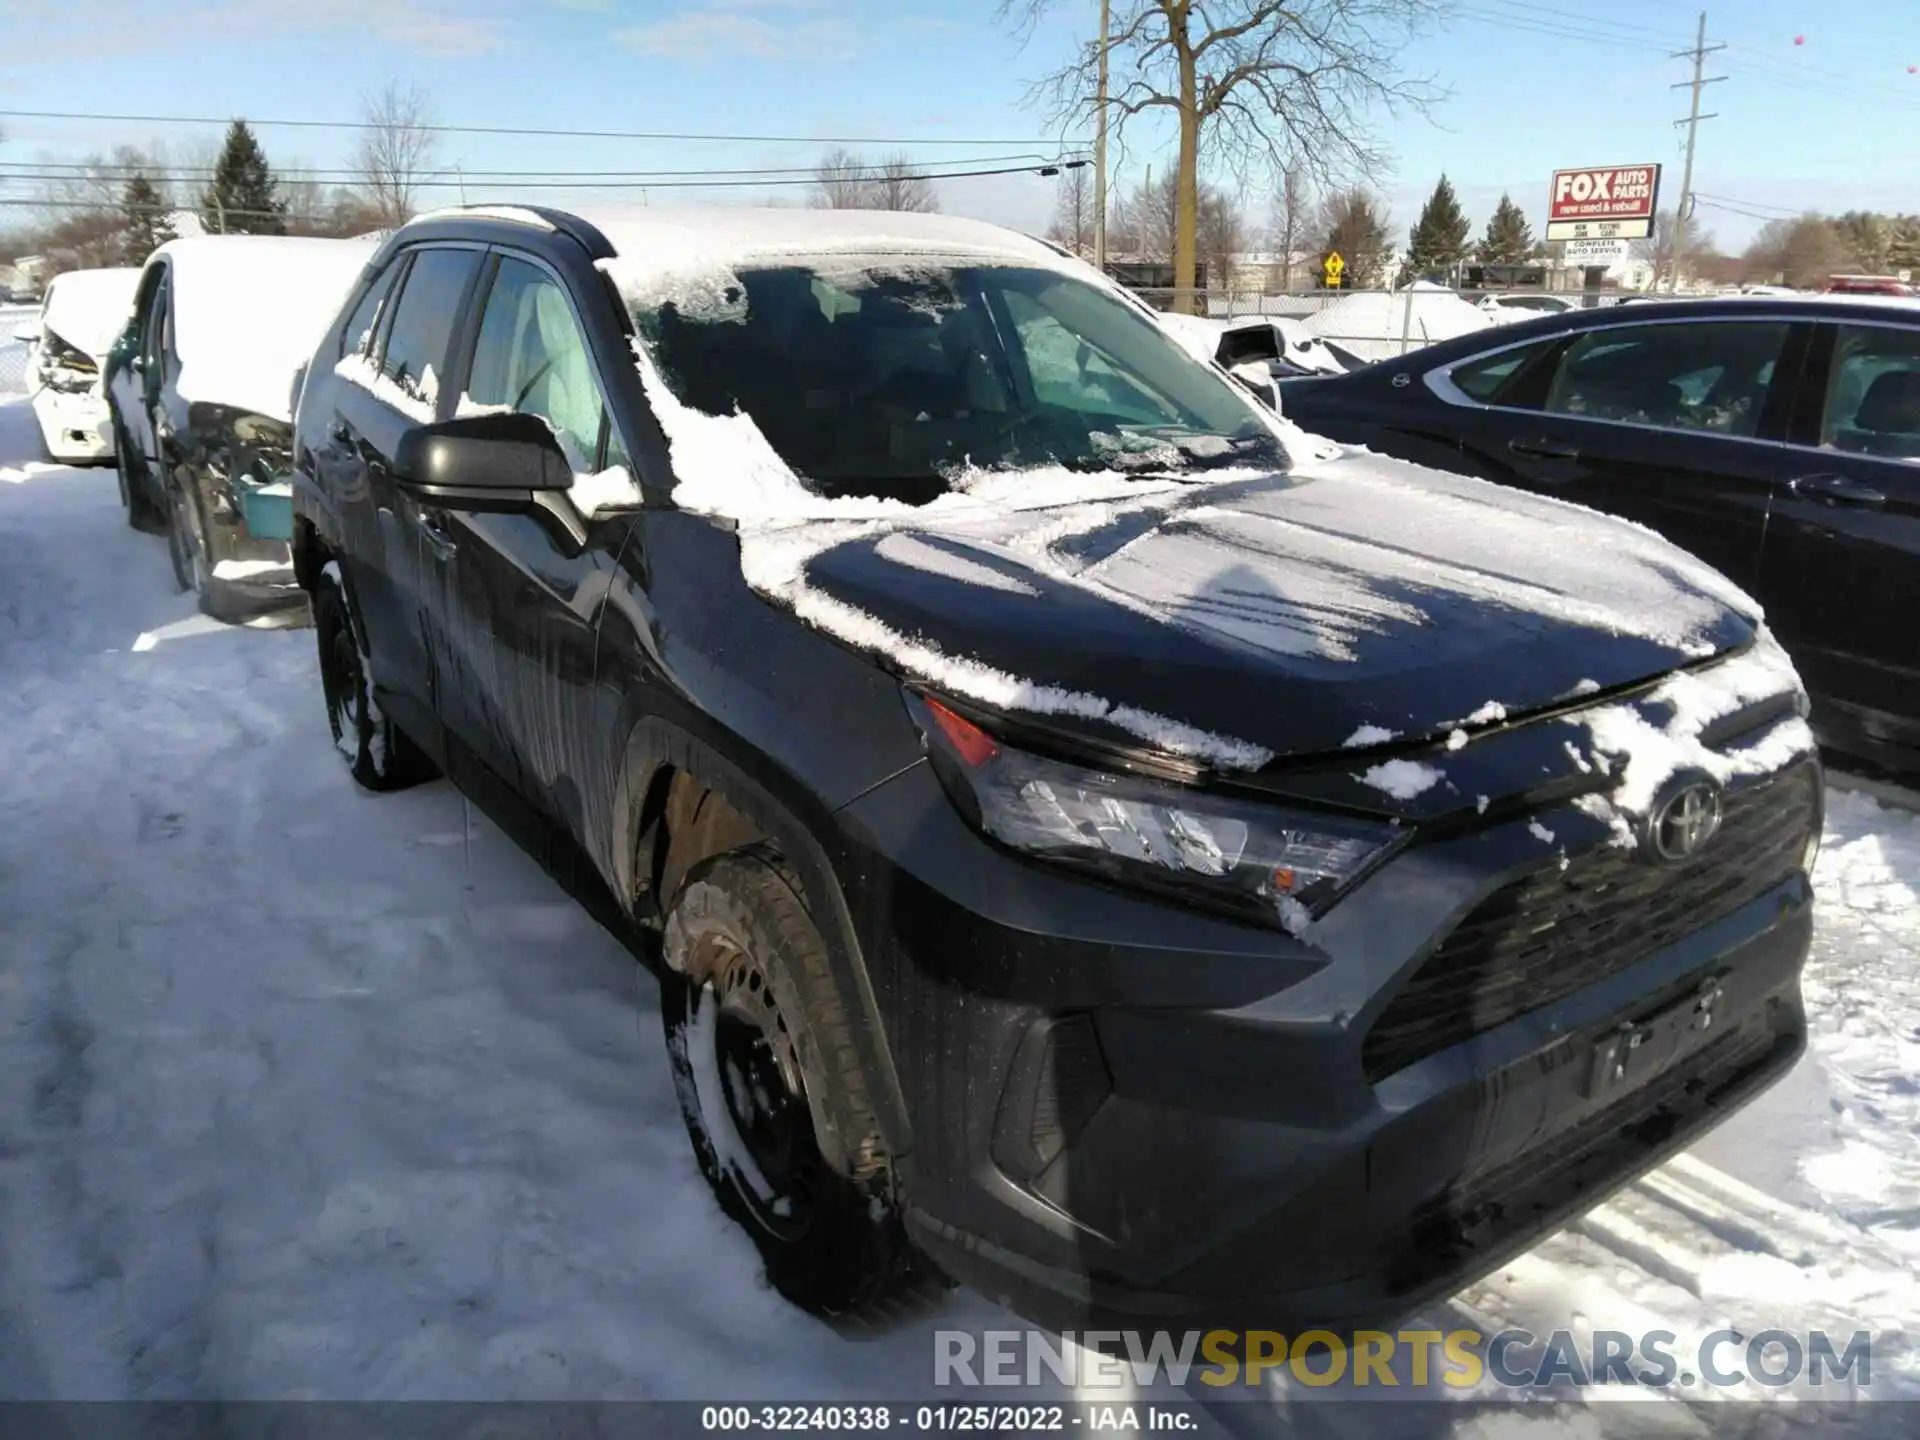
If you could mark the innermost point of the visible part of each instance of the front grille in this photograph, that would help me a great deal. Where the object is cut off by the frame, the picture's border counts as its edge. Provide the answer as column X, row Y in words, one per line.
column 1556, row 931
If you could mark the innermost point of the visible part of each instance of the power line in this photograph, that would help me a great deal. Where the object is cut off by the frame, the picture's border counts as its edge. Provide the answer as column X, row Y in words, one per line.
column 551, row 133
column 82, row 170
column 1041, row 170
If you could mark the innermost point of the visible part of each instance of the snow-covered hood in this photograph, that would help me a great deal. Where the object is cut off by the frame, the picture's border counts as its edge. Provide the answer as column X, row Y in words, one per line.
column 89, row 308
column 1357, row 600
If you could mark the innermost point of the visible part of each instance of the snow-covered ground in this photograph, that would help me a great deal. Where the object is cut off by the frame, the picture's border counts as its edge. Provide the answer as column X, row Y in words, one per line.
column 306, row 1092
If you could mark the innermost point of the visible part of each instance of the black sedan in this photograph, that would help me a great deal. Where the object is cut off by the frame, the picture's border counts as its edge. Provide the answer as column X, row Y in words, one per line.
column 1778, row 439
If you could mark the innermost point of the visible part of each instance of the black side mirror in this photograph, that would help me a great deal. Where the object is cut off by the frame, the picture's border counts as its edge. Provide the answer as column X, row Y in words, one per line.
column 504, row 455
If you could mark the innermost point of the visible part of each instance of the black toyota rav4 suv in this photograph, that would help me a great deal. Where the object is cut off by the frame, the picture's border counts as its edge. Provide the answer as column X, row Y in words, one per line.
column 1095, row 841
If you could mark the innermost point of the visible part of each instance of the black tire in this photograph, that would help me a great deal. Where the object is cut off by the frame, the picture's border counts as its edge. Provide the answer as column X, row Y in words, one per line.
column 378, row 753
column 763, row 1064
column 184, row 547
column 134, row 497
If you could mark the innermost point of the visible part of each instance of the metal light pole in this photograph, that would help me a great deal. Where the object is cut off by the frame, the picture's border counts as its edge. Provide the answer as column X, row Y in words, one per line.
column 1100, row 154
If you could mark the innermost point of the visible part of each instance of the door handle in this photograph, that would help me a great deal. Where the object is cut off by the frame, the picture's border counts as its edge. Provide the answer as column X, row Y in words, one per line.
column 1838, row 489
column 1542, row 450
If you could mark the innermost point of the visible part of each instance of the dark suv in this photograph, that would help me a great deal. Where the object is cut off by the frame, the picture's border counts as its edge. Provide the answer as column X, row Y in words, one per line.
column 1089, row 837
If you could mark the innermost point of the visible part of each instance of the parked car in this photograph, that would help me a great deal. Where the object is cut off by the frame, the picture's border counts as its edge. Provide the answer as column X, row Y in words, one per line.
column 82, row 315
column 1076, row 852
column 1869, row 285
column 1777, row 439
column 1509, row 306
column 201, row 389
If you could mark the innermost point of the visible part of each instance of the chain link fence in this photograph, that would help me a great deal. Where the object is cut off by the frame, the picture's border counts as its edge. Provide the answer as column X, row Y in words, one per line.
column 13, row 353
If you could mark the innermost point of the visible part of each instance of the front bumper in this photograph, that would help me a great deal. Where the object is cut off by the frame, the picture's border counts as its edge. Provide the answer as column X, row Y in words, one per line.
column 76, row 428
column 1130, row 1115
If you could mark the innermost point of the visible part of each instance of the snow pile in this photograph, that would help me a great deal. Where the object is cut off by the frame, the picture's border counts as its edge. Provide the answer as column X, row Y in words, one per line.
column 89, row 308
column 1373, row 323
column 248, row 311
column 1863, row 997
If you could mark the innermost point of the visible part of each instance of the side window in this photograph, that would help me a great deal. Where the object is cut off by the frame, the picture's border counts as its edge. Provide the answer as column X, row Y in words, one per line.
column 532, row 358
column 156, row 327
column 1873, row 394
column 1694, row 375
column 357, row 337
column 415, row 356
column 1070, row 374
column 1484, row 379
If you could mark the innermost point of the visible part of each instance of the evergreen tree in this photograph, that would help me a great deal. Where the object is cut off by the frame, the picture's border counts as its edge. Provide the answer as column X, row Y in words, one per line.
column 1509, row 239
column 244, row 198
column 1439, row 238
column 147, row 223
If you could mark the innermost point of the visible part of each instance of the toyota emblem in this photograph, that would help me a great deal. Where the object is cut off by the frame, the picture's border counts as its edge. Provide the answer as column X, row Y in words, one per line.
column 1685, row 819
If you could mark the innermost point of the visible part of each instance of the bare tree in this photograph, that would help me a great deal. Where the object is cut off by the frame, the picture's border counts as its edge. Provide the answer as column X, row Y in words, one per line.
column 840, row 182
column 1260, row 80
column 1802, row 252
column 1222, row 236
column 1657, row 248
column 1073, row 211
column 1353, row 224
column 1292, row 213
column 897, row 184
column 397, row 148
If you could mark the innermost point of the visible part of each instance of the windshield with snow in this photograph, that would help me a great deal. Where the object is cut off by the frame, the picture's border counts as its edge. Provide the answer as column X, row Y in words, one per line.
column 891, row 380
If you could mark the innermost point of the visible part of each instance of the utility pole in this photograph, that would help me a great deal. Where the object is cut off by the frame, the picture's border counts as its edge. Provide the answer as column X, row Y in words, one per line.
column 1100, row 154
column 1684, row 211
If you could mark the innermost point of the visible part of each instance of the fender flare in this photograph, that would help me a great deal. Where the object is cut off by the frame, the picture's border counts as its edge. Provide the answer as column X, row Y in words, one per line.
column 655, row 745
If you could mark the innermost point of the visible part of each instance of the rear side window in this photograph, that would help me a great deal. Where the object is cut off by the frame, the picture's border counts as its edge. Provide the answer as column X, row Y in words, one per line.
column 1487, row 378
column 1706, row 375
column 357, row 337
column 1873, row 397
column 417, row 340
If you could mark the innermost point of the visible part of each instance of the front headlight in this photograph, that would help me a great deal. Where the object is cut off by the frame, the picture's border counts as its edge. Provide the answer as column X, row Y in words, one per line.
column 1243, row 857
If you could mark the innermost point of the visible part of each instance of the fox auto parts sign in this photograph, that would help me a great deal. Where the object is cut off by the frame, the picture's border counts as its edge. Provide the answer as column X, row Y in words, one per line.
column 1607, row 202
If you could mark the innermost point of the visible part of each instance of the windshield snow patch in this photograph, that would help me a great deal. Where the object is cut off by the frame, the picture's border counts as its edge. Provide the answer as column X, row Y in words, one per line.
column 1402, row 779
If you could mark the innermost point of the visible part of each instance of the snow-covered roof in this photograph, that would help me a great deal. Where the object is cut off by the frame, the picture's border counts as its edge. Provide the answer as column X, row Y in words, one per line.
column 89, row 308
column 681, row 253
column 248, row 310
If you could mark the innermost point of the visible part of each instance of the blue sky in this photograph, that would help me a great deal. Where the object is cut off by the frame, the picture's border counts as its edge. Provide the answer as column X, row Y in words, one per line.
column 1532, row 85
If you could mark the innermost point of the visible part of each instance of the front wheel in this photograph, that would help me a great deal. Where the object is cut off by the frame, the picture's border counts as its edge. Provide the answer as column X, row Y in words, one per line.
column 378, row 753
column 762, row 1062
column 184, row 548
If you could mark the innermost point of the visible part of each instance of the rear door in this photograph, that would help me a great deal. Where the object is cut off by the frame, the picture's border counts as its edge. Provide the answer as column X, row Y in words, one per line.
column 1841, row 575
column 1678, row 424
column 529, row 585
column 392, row 386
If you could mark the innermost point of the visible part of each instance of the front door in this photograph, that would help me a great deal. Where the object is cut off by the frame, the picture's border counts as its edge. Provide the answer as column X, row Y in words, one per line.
column 1675, row 424
column 1843, row 550
column 540, row 576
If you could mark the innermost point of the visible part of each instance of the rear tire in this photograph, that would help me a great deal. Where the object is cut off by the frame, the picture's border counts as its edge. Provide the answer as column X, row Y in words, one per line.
column 762, row 1061
column 378, row 753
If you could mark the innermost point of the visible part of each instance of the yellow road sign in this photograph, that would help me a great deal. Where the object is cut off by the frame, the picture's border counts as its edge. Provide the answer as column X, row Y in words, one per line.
column 1334, row 267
